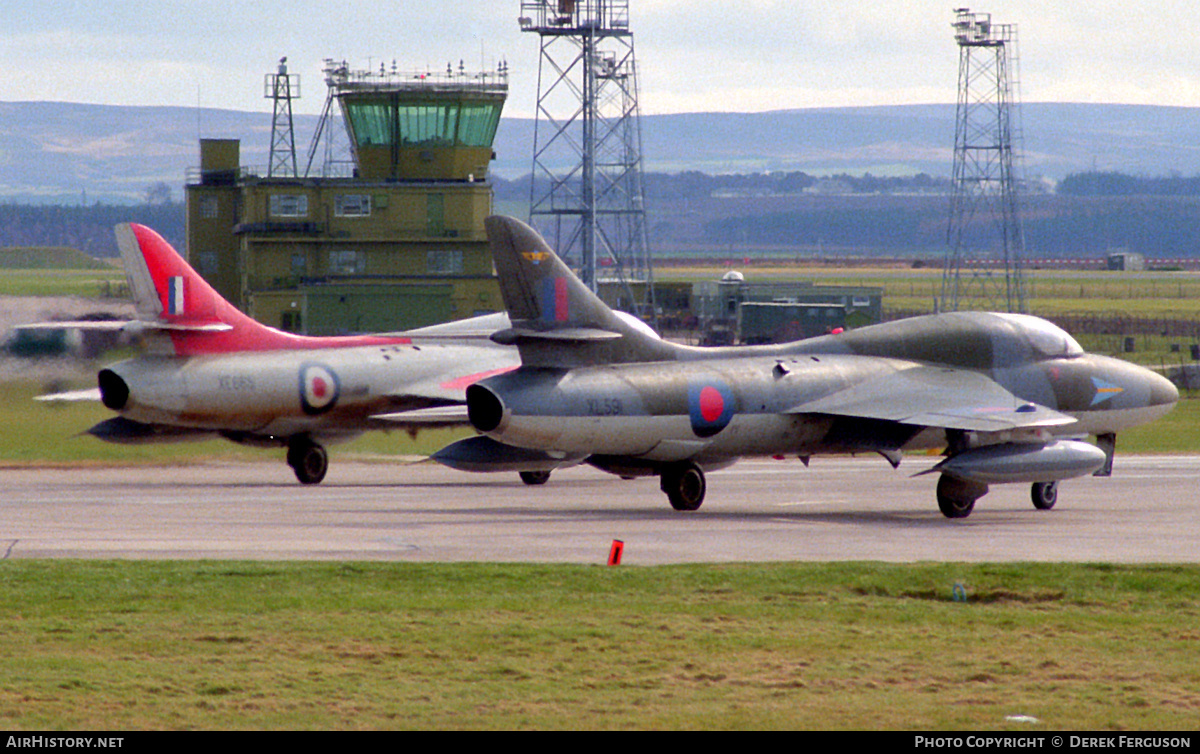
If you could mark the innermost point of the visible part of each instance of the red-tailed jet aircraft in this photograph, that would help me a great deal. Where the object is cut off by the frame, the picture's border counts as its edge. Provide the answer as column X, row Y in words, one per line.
column 206, row 369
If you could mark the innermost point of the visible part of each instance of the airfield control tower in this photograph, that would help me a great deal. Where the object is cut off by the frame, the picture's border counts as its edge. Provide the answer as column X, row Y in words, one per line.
column 586, row 195
column 389, row 236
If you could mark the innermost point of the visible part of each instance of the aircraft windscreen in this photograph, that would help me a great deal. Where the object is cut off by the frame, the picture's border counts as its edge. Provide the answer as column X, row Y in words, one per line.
column 1046, row 338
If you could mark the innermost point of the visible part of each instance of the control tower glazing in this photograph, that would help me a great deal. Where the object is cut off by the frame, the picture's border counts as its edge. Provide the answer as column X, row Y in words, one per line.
column 420, row 126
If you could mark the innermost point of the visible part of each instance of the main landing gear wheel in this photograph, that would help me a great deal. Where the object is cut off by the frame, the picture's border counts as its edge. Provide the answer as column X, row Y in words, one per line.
column 1044, row 494
column 309, row 460
column 534, row 477
column 956, row 497
column 684, row 485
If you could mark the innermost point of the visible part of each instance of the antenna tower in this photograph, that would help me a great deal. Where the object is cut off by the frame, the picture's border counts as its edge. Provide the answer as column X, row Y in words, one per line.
column 985, row 241
column 282, row 88
column 338, row 160
column 586, row 189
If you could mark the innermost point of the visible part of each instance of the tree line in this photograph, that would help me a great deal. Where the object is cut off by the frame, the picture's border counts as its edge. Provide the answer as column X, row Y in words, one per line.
column 1090, row 214
column 1063, row 226
column 88, row 228
column 693, row 184
column 1100, row 183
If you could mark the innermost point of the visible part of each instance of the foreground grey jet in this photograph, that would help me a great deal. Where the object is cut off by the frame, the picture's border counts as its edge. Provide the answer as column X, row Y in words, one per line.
column 1010, row 397
column 208, row 370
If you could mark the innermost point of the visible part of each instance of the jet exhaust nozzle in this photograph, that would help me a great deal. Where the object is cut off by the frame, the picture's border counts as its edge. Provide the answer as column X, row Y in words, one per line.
column 1024, row 462
column 485, row 410
column 114, row 392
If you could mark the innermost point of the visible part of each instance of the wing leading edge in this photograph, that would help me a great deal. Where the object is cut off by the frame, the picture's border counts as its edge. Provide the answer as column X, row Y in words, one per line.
column 937, row 397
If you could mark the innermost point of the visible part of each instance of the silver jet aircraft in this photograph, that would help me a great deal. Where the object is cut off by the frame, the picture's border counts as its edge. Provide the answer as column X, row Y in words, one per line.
column 209, row 370
column 1010, row 397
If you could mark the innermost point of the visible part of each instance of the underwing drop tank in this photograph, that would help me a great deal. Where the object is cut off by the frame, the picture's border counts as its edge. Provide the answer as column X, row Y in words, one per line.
column 1024, row 462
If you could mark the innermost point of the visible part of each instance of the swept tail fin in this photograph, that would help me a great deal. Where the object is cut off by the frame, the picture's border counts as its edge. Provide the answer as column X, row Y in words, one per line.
column 171, row 298
column 556, row 320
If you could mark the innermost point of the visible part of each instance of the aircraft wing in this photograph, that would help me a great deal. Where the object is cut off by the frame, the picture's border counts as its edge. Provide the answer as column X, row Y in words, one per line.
column 936, row 397
column 426, row 417
column 98, row 325
column 87, row 394
column 481, row 327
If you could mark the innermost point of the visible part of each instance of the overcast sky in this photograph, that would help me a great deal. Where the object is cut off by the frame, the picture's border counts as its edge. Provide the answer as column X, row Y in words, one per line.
column 693, row 55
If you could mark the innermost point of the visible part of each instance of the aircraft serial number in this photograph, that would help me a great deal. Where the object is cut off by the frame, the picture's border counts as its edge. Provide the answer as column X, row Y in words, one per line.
column 604, row 406
column 238, row 383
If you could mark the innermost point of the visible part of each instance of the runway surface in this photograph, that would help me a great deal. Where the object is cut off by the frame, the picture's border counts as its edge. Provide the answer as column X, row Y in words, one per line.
column 838, row 509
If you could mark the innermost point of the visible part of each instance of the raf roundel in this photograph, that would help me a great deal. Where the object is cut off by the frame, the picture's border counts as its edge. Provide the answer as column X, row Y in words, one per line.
column 318, row 388
column 710, row 407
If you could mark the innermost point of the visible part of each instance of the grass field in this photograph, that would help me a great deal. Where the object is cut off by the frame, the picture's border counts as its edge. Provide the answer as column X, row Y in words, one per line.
column 86, row 283
column 1049, row 292
column 169, row 645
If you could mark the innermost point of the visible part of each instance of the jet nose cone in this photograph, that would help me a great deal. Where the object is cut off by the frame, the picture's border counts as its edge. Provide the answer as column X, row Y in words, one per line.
column 1162, row 391
column 1141, row 386
column 1124, row 395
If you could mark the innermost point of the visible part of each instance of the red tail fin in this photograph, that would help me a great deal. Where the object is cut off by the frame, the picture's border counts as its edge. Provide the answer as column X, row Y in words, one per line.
column 170, row 296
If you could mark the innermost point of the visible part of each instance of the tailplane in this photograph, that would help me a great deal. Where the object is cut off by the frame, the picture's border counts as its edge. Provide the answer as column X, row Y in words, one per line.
column 556, row 320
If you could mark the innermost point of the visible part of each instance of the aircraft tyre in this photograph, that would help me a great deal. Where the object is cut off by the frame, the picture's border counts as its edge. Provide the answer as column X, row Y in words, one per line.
column 534, row 478
column 684, row 485
column 956, row 497
column 308, row 460
column 1044, row 494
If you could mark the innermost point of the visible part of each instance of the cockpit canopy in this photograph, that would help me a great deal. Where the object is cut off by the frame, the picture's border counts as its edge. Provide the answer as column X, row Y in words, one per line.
column 974, row 340
column 1045, row 338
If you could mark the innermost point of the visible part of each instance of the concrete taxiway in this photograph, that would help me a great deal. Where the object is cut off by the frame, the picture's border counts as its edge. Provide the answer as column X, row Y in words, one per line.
column 761, row 510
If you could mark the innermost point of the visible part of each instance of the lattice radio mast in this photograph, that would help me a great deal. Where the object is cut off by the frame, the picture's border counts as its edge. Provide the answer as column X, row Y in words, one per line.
column 985, row 241
column 587, row 191
column 282, row 88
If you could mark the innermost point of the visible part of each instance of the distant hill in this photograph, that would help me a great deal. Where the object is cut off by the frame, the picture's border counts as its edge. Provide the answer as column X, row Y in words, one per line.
column 73, row 153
